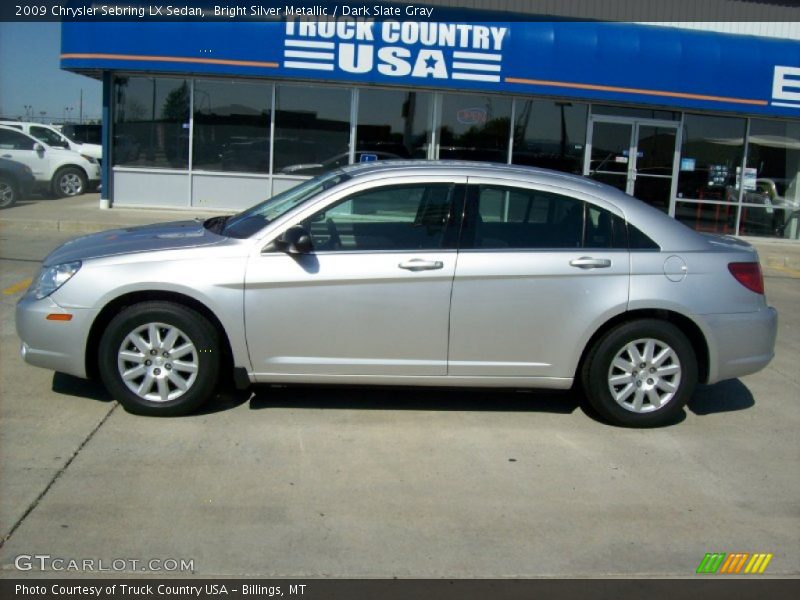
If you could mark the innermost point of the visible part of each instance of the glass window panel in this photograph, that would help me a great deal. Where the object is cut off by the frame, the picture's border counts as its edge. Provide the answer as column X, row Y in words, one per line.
column 410, row 217
column 711, row 153
column 231, row 126
column 393, row 123
column 550, row 134
column 474, row 127
column 312, row 129
column 519, row 218
column 772, row 186
column 151, row 122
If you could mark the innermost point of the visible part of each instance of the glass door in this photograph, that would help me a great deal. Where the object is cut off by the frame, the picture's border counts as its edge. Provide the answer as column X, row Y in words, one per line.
column 637, row 156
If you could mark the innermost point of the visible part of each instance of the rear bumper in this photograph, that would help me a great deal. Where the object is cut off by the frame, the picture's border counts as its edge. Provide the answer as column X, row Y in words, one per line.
column 741, row 343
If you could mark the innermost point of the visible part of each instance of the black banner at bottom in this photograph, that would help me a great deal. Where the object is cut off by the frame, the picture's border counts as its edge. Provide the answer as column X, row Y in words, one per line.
column 400, row 589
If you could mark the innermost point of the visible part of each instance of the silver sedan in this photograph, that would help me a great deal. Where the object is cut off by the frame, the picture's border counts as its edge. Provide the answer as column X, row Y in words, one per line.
column 409, row 273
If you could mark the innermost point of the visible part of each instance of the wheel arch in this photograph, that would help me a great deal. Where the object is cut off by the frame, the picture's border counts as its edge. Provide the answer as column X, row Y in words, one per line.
column 112, row 308
column 69, row 166
column 686, row 325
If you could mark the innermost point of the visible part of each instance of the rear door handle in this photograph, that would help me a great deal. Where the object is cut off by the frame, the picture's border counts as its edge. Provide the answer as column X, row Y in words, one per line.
column 587, row 262
column 418, row 264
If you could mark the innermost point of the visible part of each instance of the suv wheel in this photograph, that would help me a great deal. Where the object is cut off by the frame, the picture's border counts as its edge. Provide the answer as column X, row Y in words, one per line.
column 160, row 358
column 8, row 192
column 69, row 181
column 640, row 373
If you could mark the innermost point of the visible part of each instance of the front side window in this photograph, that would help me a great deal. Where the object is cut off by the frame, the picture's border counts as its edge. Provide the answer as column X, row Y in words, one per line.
column 406, row 217
column 255, row 218
column 48, row 136
column 515, row 218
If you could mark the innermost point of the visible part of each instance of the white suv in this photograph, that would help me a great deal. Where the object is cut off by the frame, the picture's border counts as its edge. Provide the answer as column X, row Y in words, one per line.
column 55, row 138
column 63, row 172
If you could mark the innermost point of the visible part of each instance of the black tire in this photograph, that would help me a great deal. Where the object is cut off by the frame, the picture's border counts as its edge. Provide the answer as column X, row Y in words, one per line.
column 656, row 378
column 68, row 182
column 9, row 194
column 162, row 369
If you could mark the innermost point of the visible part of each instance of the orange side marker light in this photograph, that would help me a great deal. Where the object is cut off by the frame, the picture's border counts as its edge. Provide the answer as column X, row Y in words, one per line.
column 59, row 317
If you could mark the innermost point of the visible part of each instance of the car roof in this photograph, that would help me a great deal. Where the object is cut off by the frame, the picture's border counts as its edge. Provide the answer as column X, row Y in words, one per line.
column 666, row 231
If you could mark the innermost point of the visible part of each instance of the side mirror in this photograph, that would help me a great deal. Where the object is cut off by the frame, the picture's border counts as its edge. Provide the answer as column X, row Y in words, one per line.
column 295, row 240
column 37, row 147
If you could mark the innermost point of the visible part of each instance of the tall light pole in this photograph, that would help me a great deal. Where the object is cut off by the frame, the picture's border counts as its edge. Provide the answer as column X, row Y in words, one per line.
column 28, row 111
column 43, row 113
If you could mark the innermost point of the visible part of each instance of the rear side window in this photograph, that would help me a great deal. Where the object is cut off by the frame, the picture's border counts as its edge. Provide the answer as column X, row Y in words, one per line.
column 639, row 241
column 504, row 217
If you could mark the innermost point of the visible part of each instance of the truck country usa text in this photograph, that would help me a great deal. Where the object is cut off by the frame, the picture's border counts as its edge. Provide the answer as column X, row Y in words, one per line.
column 396, row 49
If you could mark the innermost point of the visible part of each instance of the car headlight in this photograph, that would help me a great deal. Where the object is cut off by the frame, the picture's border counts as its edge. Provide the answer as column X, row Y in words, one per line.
column 90, row 159
column 52, row 278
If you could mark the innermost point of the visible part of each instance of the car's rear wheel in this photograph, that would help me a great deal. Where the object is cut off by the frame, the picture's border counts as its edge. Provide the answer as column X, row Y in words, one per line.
column 640, row 373
column 69, row 181
column 8, row 192
column 160, row 359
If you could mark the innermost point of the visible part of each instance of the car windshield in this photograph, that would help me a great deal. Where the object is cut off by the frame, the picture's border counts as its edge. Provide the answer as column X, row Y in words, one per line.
column 254, row 219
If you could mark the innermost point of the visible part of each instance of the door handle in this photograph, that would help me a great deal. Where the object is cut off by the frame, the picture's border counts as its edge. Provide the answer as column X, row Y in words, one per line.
column 587, row 262
column 418, row 264
column 6, row 156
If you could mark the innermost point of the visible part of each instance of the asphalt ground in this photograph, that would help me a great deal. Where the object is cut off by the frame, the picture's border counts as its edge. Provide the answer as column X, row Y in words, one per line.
column 320, row 482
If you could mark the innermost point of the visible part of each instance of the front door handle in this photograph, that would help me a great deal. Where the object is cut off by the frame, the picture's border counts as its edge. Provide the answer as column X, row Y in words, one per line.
column 418, row 264
column 587, row 262
column 6, row 156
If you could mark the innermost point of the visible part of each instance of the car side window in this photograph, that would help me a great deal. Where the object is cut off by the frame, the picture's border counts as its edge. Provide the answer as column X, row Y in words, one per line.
column 516, row 218
column 406, row 217
column 48, row 136
column 11, row 140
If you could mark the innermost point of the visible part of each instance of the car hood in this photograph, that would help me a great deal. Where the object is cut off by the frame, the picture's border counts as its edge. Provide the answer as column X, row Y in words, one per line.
column 146, row 238
column 93, row 150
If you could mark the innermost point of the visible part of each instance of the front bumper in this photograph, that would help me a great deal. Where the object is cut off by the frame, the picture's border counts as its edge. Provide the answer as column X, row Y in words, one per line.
column 742, row 343
column 56, row 345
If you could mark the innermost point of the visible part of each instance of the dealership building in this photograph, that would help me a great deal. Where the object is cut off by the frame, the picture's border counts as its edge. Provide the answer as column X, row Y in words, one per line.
column 699, row 119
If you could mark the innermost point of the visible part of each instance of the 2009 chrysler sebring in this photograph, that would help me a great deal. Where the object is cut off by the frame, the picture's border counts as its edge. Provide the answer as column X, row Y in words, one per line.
column 409, row 273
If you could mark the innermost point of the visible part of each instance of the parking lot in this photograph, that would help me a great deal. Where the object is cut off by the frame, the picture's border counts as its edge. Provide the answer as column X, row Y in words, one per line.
column 315, row 482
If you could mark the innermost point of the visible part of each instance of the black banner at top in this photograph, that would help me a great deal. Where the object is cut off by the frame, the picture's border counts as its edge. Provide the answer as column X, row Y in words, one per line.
column 469, row 10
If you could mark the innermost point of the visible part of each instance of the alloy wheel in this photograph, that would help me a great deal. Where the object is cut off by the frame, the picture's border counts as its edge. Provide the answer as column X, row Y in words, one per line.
column 644, row 375
column 158, row 362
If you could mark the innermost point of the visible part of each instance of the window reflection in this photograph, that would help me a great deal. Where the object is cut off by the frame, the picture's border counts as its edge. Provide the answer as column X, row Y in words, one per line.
column 474, row 127
column 312, row 129
column 151, row 122
column 710, row 156
column 551, row 134
column 231, row 126
column 771, row 179
column 394, row 124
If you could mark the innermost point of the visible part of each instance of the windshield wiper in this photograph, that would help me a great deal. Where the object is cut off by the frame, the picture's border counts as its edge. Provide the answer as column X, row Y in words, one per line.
column 216, row 224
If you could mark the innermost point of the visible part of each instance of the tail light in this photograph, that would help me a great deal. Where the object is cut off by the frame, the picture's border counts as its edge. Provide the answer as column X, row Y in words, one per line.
column 749, row 275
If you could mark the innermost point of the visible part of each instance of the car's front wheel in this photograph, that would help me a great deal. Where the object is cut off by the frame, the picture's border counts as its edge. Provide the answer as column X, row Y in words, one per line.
column 160, row 359
column 8, row 192
column 69, row 181
column 640, row 373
